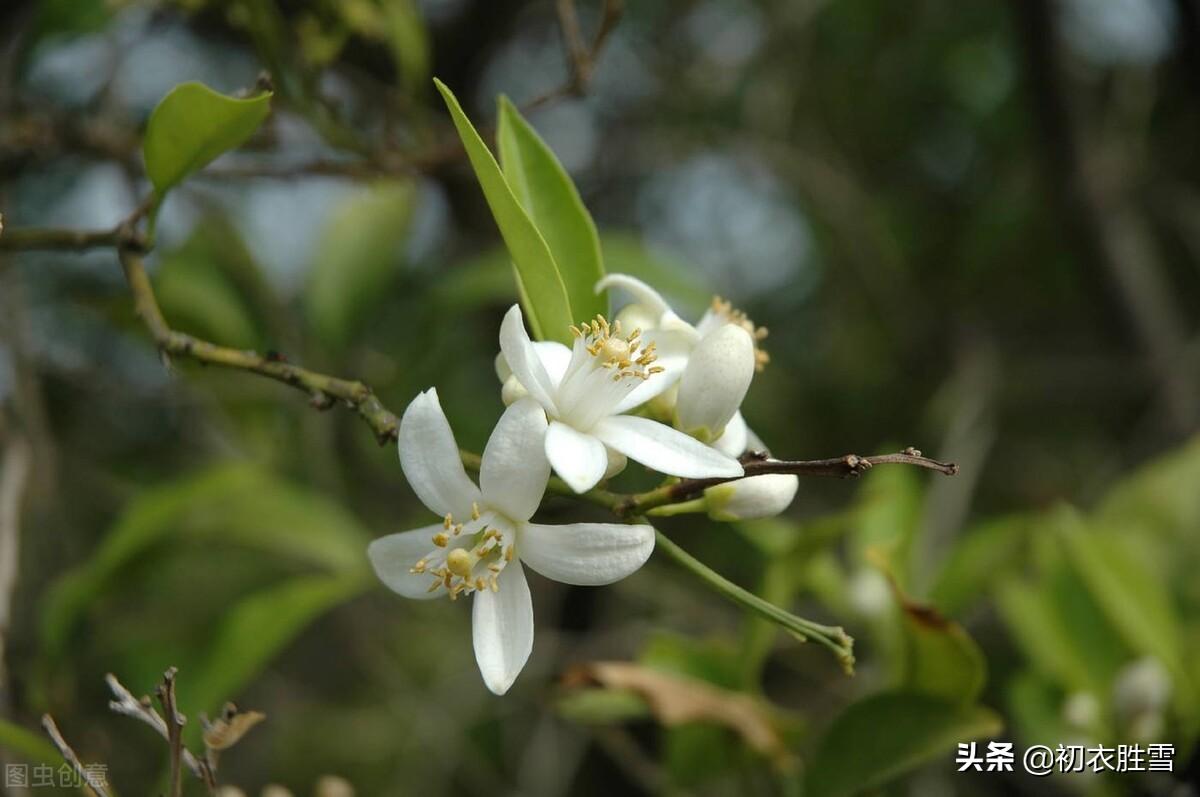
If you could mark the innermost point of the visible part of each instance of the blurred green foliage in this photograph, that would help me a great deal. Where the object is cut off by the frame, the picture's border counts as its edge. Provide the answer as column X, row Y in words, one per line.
column 874, row 182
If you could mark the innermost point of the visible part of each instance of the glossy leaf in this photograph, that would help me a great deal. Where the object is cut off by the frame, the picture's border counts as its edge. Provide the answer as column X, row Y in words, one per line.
column 356, row 258
column 546, row 192
column 878, row 739
column 547, row 307
column 192, row 126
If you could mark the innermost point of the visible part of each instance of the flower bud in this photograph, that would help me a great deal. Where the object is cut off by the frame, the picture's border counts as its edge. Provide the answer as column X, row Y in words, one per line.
column 1142, row 687
column 753, row 497
column 714, row 382
column 512, row 391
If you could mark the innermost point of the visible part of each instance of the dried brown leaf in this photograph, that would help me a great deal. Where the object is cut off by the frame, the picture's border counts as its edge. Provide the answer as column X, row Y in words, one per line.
column 677, row 699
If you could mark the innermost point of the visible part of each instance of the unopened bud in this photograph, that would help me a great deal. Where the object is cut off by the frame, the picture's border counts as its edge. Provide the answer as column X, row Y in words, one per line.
column 512, row 391
column 714, row 382
column 754, row 497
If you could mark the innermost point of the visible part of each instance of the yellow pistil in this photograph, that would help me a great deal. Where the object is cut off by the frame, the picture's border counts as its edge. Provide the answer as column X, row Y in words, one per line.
column 460, row 561
column 619, row 354
column 734, row 316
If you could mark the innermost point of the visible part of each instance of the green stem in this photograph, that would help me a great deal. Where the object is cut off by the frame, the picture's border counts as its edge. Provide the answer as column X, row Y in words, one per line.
column 682, row 508
column 832, row 637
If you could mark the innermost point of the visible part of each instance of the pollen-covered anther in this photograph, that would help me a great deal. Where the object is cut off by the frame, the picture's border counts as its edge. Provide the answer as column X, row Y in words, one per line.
column 732, row 315
column 618, row 354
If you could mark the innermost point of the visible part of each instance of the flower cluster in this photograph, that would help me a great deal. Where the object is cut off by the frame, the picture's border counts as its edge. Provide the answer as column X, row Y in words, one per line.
column 648, row 387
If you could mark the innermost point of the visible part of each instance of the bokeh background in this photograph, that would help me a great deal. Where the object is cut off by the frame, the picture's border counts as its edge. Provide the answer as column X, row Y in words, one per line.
column 972, row 228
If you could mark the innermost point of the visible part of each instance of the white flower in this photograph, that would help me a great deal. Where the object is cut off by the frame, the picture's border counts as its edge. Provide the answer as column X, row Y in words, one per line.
column 485, row 533
column 585, row 389
column 707, row 399
column 753, row 497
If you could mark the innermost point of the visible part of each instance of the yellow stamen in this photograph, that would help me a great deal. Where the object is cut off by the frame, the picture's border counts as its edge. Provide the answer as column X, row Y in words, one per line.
column 440, row 540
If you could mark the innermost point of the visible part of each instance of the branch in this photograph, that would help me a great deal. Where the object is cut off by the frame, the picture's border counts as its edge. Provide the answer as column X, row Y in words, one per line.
column 834, row 638
column 90, row 784
column 128, row 705
column 175, row 722
column 756, row 464
column 123, row 235
column 581, row 58
column 325, row 391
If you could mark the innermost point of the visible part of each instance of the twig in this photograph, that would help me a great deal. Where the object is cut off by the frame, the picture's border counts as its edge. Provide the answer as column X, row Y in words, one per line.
column 123, row 235
column 848, row 466
column 581, row 58
column 325, row 391
column 175, row 722
column 129, row 706
column 13, row 479
column 90, row 784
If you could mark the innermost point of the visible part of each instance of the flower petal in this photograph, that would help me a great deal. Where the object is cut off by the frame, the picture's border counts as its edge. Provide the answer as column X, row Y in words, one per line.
column 664, row 449
column 522, row 358
column 578, row 458
column 430, row 460
column 394, row 555
column 715, row 381
column 640, row 291
column 514, row 471
column 673, row 349
column 586, row 554
column 554, row 357
column 502, row 629
column 735, row 440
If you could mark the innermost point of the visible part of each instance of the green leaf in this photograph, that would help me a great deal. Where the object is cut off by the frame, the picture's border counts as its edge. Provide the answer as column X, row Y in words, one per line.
column 545, row 190
column 1135, row 601
column 409, row 41
column 357, row 256
column 1048, row 639
column 195, row 293
column 234, row 504
column 887, row 735
column 257, row 629
column 1160, row 498
column 941, row 658
column 547, row 307
column 982, row 557
column 25, row 743
column 193, row 125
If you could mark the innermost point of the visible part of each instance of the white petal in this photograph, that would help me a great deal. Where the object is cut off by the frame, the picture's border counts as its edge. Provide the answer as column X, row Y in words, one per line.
column 502, row 629
column 523, row 359
column 735, row 440
column 715, row 382
column 586, row 554
column 673, row 349
column 514, row 471
column 430, row 460
column 756, row 497
column 664, row 449
column 578, row 458
column 640, row 291
column 394, row 555
column 554, row 357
